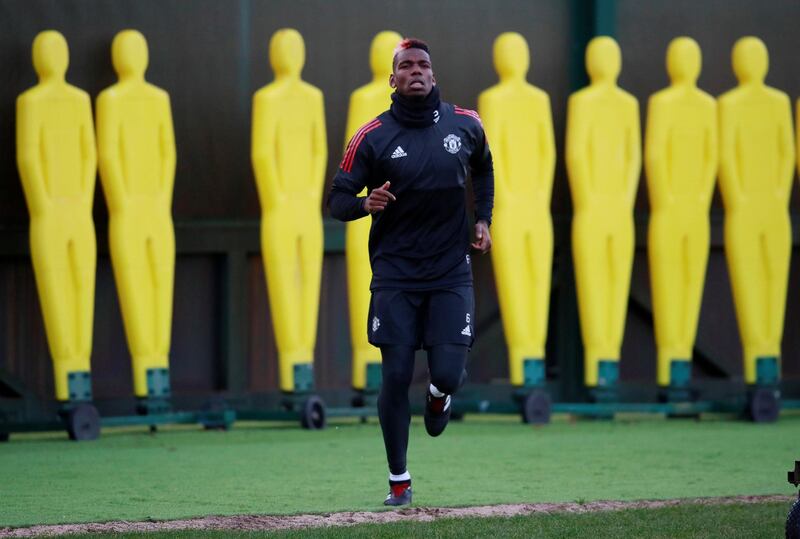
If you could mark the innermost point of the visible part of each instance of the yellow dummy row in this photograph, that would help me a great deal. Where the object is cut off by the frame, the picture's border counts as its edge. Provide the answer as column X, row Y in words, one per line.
column 751, row 138
column 57, row 162
column 56, row 156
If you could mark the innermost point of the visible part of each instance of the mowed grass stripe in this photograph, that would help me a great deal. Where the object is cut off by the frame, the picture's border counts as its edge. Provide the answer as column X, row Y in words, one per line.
column 185, row 472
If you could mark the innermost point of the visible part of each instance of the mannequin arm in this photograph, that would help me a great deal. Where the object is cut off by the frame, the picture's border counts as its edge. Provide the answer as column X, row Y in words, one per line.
column 547, row 149
column 711, row 161
column 577, row 147
column 109, row 140
column 263, row 153
column 29, row 159
column 728, row 172
column 633, row 153
column 319, row 152
column 654, row 155
column 88, row 153
column 786, row 152
column 168, row 154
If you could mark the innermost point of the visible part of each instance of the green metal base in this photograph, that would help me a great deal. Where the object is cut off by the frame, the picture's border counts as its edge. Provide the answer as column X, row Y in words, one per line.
column 158, row 383
column 607, row 377
column 303, row 377
column 153, row 407
column 221, row 419
column 607, row 373
column 374, row 377
column 767, row 372
column 607, row 410
column 79, row 385
column 533, row 372
column 680, row 372
column 295, row 414
column 675, row 394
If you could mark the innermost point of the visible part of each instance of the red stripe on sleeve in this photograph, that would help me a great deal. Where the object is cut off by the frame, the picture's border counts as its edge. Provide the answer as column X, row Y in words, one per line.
column 468, row 112
column 355, row 141
column 348, row 165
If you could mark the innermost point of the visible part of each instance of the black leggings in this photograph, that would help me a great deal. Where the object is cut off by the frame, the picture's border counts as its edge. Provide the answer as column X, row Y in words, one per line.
column 446, row 364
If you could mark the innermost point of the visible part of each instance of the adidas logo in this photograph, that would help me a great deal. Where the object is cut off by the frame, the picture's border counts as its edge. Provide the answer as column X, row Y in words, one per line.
column 398, row 152
column 466, row 331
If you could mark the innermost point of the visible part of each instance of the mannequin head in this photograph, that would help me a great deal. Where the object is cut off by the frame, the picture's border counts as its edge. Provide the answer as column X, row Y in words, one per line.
column 511, row 56
column 129, row 54
column 750, row 60
column 50, row 55
column 381, row 53
column 683, row 61
column 603, row 60
column 287, row 53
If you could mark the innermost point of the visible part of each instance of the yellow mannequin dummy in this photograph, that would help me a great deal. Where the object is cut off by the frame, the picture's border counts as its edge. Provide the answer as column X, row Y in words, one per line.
column 519, row 127
column 681, row 161
column 366, row 102
column 603, row 160
column 57, row 163
column 289, row 155
column 136, row 147
column 756, row 172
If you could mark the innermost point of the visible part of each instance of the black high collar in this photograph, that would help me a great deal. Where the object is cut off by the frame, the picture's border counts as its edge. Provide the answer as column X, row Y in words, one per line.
column 416, row 112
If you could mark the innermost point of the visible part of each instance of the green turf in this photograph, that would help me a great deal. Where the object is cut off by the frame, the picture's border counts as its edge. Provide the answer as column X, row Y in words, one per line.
column 728, row 522
column 183, row 472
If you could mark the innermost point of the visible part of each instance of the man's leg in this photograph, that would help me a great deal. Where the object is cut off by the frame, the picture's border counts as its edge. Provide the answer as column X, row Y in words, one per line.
column 393, row 407
column 446, row 363
column 393, row 327
column 448, row 335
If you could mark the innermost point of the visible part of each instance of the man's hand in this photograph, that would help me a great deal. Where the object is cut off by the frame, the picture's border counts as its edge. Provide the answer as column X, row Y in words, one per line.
column 378, row 199
column 483, row 241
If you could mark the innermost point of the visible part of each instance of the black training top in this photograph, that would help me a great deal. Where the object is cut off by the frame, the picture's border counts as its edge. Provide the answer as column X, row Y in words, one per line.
column 421, row 240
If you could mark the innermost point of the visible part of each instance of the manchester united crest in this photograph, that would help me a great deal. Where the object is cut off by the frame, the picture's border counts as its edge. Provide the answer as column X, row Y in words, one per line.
column 452, row 143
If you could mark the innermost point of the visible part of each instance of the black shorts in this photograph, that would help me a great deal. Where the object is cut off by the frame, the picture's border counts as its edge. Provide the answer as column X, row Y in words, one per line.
column 422, row 318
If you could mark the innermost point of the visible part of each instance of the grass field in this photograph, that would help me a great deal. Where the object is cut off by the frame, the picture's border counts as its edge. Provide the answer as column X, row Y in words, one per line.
column 260, row 469
column 695, row 522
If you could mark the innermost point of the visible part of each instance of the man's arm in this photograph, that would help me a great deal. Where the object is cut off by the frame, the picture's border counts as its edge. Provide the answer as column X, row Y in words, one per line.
column 351, row 178
column 483, row 190
column 482, row 179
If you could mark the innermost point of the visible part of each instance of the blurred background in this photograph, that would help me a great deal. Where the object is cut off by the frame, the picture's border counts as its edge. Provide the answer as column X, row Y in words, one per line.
column 212, row 55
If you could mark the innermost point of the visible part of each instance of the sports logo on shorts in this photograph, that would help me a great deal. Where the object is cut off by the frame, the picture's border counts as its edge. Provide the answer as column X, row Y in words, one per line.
column 376, row 323
column 452, row 143
column 467, row 330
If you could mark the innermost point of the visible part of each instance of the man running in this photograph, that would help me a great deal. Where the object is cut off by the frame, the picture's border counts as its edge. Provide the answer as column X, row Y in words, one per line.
column 414, row 159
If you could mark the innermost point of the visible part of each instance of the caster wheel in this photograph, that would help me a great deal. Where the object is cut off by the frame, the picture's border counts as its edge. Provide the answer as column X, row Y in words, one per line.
column 358, row 401
column 83, row 423
column 536, row 408
column 763, row 405
column 313, row 414
column 793, row 521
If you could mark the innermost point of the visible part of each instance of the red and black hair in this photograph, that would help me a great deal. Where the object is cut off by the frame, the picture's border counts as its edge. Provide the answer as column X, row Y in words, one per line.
column 409, row 43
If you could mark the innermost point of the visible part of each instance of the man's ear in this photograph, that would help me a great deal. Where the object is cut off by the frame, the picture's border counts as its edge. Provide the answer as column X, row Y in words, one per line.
column 433, row 79
column 392, row 82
